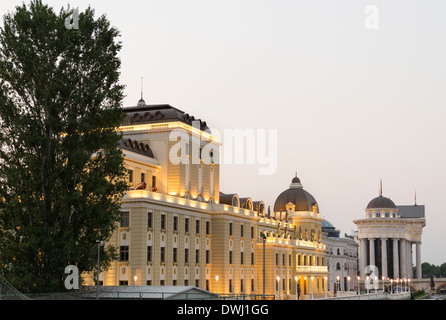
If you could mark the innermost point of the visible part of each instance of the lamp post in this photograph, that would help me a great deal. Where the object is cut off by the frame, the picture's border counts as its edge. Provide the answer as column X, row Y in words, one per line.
column 325, row 286
column 135, row 278
column 384, row 278
column 278, row 287
column 367, row 286
column 405, row 285
column 263, row 236
column 216, row 280
column 312, row 295
column 338, row 283
column 408, row 283
column 97, row 275
column 348, row 284
column 376, row 284
column 359, row 285
column 391, row 286
column 297, row 287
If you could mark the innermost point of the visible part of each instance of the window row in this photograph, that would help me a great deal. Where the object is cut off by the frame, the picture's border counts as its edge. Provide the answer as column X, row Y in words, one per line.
column 242, row 230
column 124, row 254
column 125, row 222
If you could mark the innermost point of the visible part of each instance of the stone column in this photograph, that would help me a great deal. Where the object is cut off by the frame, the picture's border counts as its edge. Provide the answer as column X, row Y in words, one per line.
column 403, row 259
column 409, row 260
column 418, row 252
column 363, row 257
column 372, row 251
column 384, row 257
column 396, row 266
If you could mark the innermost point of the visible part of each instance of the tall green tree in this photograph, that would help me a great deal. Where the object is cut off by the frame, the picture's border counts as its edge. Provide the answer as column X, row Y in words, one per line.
column 61, row 171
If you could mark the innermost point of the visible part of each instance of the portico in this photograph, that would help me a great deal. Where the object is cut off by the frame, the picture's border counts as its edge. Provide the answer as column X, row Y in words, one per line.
column 387, row 239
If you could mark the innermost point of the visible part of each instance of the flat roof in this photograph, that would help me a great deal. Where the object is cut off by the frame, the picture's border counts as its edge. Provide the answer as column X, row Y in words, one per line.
column 414, row 211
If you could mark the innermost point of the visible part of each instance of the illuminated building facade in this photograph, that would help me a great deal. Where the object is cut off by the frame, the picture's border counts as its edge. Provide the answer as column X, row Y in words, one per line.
column 179, row 229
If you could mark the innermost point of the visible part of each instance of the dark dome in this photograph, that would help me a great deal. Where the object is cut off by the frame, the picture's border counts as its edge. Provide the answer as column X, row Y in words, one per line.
column 381, row 203
column 303, row 200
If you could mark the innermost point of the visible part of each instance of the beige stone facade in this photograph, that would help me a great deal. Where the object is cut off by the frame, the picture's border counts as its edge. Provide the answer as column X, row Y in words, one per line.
column 176, row 231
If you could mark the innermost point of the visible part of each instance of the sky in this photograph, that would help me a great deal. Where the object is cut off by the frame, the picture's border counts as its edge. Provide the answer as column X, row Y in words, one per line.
column 354, row 94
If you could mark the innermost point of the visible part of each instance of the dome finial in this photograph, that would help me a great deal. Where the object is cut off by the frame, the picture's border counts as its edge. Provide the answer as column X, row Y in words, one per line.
column 141, row 102
column 380, row 187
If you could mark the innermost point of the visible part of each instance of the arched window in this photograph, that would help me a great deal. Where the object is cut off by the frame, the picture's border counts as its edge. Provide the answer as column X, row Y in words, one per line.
column 338, row 266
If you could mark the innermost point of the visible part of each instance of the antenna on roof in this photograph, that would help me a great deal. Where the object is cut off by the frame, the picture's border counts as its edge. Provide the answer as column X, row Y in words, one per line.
column 142, row 84
column 415, row 197
column 380, row 187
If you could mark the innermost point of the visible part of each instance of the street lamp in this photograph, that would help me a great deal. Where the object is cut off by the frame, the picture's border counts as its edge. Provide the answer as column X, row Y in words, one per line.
column 297, row 287
column 216, row 279
column 391, row 287
column 263, row 236
column 278, row 287
column 384, row 278
column 312, row 296
column 358, row 278
column 97, row 275
column 348, row 284
column 408, row 280
column 405, row 285
column 135, row 278
column 376, row 284
column 338, row 283
column 325, row 286
column 367, row 286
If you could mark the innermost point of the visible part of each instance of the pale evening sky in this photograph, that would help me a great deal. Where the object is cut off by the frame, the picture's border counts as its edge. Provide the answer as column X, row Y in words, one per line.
column 350, row 105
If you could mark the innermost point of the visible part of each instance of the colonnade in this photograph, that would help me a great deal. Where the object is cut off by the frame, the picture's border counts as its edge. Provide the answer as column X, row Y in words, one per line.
column 392, row 256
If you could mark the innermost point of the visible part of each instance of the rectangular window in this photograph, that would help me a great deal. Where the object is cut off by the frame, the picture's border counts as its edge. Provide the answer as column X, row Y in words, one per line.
column 207, row 284
column 197, row 283
column 163, row 221
column 252, row 258
column 123, row 283
column 149, row 253
column 241, row 285
column 130, row 172
column 208, row 227
column 230, row 285
column 149, row 219
column 175, row 223
column 230, row 228
column 197, row 256
column 124, row 253
column 186, row 282
column 174, row 255
column 252, row 232
column 252, row 285
column 208, row 257
column 289, row 260
column 162, row 254
column 197, row 226
column 277, row 259
column 230, row 257
column 143, row 177
column 186, row 225
column 242, row 231
column 186, row 255
column 125, row 219
column 241, row 258
column 153, row 183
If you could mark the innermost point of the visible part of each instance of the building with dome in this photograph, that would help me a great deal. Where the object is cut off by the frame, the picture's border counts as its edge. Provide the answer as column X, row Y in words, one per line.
column 179, row 229
column 387, row 236
column 342, row 259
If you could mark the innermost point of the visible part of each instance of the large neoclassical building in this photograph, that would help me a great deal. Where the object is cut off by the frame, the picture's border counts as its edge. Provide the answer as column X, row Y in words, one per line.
column 387, row 235
column 179, row 229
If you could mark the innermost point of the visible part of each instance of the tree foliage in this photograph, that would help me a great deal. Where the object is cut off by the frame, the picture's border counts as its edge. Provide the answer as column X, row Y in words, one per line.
column 61, row 171
column 433, row 270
